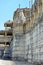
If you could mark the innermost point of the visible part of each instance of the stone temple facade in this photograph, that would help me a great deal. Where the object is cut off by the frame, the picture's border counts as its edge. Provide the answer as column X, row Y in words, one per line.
column 26, row 31
column 5, row 39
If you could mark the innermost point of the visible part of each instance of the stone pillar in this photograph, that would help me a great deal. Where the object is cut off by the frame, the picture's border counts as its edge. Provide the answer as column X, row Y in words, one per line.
column 5, row 37
column 31, row 42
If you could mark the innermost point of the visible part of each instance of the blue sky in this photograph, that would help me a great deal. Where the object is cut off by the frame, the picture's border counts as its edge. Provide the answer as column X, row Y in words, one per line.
column 7, row 8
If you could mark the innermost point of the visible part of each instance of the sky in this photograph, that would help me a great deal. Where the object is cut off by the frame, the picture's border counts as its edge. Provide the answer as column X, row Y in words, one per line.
column 7, row 8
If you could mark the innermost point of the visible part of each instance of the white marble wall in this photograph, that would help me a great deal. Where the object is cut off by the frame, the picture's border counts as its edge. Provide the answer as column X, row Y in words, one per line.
column 30, row 45
column 34, row 43
column 18, row 46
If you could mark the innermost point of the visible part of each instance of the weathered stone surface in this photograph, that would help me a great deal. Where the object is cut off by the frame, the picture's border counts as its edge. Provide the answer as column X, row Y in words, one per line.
column 4, row 62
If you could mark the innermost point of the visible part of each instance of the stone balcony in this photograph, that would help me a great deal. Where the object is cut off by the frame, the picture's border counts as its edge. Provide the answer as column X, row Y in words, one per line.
column 5, row 39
